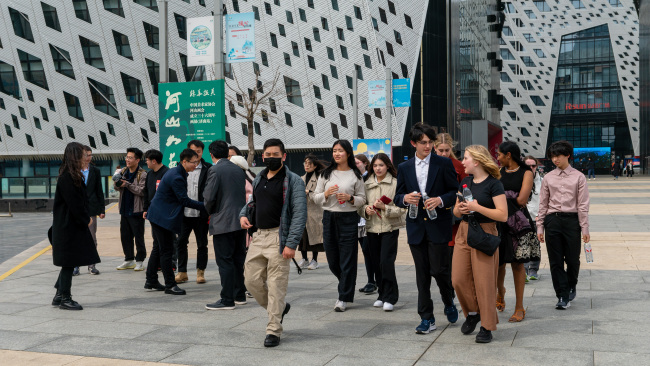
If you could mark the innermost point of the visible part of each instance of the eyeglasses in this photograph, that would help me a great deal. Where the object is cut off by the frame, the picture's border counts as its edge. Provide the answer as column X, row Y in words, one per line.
column 194, row 162
column 425, row 143
column 129, row 158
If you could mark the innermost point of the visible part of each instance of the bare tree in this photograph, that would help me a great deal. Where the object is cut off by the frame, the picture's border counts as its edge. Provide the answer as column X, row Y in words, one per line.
column 258, row 100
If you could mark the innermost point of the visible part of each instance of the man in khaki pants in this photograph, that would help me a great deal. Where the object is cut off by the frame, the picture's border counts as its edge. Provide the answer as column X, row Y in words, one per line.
column 278, row 211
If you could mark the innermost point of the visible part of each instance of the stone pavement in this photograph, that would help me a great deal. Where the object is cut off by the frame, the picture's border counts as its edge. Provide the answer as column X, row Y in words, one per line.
column 606, row 324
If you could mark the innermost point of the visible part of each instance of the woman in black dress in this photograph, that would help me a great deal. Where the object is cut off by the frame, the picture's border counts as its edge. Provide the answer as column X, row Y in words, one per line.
column 72, row 243
column 518, row 179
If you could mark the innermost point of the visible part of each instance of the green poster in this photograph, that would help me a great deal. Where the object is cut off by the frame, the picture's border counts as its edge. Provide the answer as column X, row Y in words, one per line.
column 190, row 111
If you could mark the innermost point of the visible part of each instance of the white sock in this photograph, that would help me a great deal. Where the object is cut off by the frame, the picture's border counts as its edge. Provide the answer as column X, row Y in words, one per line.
column 472, row 313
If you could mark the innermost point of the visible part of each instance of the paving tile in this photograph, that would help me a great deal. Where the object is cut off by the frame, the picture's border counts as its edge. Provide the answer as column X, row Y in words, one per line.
column 491, row 354
column 620, row 358
column 369, row 360
column 235, row 356
column 91, row 328
column 15, row 322
column 17, row 340
column 89, row 313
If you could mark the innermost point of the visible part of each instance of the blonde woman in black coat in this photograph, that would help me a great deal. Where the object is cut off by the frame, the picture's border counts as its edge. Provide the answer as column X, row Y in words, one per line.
column 72, row 243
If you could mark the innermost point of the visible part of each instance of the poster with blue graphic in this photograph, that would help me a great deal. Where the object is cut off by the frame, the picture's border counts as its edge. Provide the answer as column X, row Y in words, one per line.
column 377, row 94
column 401, row 93
column 371, row 147
column 240, row 37
column 200, row 45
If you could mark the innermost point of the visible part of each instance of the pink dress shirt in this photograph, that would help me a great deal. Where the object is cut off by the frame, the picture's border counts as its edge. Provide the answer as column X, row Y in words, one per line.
column 564, row 191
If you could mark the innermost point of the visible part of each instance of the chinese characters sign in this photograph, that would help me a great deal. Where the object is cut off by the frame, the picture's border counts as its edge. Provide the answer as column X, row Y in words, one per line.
column 200, row 47
column 401, row 92
column 377, row 94
column 570, row 106
column 240, row 37
column 190, row 111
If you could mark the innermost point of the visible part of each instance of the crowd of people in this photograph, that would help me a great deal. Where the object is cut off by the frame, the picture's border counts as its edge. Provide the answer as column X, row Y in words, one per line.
column 464, row 222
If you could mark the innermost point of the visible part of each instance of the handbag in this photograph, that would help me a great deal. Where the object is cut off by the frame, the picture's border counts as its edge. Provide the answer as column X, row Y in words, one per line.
column 478, row 239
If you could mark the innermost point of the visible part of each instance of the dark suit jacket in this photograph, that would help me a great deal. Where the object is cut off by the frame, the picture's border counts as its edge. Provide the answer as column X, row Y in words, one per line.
column 224, row 196
column 96, row 204
column 441, row 182
column 167, row 207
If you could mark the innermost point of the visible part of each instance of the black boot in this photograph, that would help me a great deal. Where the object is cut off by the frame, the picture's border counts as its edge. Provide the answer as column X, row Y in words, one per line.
column 68, row 304
column 56, row 301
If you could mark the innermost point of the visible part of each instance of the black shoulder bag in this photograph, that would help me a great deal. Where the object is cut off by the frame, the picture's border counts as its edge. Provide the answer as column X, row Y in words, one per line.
column 478, row 239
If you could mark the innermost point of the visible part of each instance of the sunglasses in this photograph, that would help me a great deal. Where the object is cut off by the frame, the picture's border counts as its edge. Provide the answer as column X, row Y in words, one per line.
column 532, row 166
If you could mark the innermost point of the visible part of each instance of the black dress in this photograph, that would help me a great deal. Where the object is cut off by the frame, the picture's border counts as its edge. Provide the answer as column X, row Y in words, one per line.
column 511, row 182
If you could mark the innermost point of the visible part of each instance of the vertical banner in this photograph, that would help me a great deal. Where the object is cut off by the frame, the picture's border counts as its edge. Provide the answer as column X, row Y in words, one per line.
column 190, row 111
column 371, row 147
column 240, row 37
column 200, row 45
column 401, row 93
column 377, row 94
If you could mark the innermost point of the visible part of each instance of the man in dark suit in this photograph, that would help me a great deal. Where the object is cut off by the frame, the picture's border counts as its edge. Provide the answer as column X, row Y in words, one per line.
column 225, row 196
column 166, row 216
column 434, row 176
column 96, row 204
column 194, row 220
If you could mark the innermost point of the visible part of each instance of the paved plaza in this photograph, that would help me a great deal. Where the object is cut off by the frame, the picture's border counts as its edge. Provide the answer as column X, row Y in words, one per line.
column 123, row 324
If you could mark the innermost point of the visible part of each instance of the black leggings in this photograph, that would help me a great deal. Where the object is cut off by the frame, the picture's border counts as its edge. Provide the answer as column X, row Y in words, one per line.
column 64, row 282
column 314, row 254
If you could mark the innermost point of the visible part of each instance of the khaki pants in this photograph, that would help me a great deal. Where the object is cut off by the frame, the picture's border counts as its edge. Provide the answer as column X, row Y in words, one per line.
column 474, row 276
column 266, row 276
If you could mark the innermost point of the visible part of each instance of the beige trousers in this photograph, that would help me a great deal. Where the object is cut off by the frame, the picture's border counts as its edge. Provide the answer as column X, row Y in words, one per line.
column 266, row 275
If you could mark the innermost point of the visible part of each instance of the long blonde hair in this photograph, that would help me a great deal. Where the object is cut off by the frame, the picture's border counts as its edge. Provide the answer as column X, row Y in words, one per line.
column 481, row 155
column 445, row 138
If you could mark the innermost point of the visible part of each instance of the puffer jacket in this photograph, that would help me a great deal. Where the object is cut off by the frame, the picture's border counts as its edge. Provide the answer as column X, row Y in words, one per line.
column 393, row 217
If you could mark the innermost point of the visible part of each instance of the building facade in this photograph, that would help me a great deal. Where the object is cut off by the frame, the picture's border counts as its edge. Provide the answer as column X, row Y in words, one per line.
column 571, row 72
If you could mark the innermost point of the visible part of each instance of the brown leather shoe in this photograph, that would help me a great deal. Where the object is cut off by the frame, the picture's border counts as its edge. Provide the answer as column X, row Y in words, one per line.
column 200, row 276
column 181, row 277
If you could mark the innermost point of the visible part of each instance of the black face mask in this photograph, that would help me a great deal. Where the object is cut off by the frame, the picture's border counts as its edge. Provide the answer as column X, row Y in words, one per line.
column 273, row 163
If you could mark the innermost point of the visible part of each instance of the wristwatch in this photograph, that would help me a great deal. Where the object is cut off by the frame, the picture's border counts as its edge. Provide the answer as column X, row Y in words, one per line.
column 351, row 200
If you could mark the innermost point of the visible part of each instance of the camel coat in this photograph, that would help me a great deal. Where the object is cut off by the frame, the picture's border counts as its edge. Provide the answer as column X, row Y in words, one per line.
column 314, row 213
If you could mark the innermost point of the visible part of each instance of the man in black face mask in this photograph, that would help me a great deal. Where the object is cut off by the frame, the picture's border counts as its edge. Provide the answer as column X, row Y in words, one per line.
column 279, row 213
column 225, row 195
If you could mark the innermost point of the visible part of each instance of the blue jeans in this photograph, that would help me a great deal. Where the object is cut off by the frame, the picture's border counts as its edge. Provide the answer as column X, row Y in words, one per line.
column 591, row 173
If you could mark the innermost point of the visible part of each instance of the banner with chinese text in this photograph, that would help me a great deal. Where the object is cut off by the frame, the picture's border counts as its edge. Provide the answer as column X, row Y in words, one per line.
column 200, row 45
column 240, row 37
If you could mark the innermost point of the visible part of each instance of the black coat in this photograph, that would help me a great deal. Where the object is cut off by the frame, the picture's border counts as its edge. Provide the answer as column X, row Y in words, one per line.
column 203, row 178
column 95, row 192
column 72, row 243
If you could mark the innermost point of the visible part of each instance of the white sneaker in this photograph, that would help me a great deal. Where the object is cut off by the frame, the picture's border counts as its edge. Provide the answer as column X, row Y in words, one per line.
column 303, row 263
column 388, row 306
column 126, row 265
column 340, row 306
column 378, row 304
column 313, row 265
column 139, row 266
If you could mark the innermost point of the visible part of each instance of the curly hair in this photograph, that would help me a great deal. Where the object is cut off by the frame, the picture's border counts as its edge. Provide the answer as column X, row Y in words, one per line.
column 481, row 155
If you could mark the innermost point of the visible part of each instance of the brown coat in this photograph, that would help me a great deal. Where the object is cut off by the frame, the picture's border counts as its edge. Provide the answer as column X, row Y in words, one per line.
column 314, row 213
column 137, row 188
column 393, row 217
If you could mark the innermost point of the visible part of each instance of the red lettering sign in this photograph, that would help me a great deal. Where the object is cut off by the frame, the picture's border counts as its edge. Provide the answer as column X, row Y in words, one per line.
column 570, row 106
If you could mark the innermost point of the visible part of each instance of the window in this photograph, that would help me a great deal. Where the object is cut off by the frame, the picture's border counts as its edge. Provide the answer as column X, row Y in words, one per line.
column 335, row 5
column 398, row 37
column 287, row 119
column 129, row 116
column 344, row 52
column 151, row 32
column 364, row 43
column 525, row 108
column 506, row 54
column 274, row 40
column 102, row 135
column 122, row 45
column 292, row 87
column 51, row 17
column 37, row 123
column 311, row 62
column 15, row 120
column 320, row 110
column 33, row 71
column 114, row 6
column 375, row 25
column 324, row 24
column 268, row 9
column 50, row 102
column 505, row 77
column 334, row 72
column 265, row 116
column 273, row 106
column 192, row 73
column 181, row 25
column 310, row 130
column 133, row 90
column 2, row 104
column 235, row 5
column 615, row 3
column 528, row 61
column 542, row 5
column 377, row 112
column 348, row 23
column 357, row 13
column 74, row 107
column 507, row 31
column 531, row 14
column 287, row 59
column 256, row 11
column 310, row 3
column 405, row 70
column 316, row 34
column 296, row 51
column 21, row 25
column 330, row 53
column 339, row 102
column 577, row 4
column 61, row 59
column 8, row 130
column 368, row 121
column 524, row 132
column 340, row 34
column 537, row 100
column 308, row 44
column 389, row 48
column 366, row 61
column 326, row 82
column 303, row 15
column 150, row 4
column 81, row 10
column 289, row 17
column 391, row 7
column 281, row 30
column 408, row 21
column 154, row 74
column 529, row 37
column 335, row 131
column 9, row 81
column 382, row 15
column 540, row 53
column 344, row 120
column 265, row 60
column 257, row 128
column 44, row 114
column 317, row 92
column 92, row 53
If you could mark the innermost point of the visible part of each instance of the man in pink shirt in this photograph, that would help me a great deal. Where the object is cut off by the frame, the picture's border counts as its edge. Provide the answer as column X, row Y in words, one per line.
column 564, row 215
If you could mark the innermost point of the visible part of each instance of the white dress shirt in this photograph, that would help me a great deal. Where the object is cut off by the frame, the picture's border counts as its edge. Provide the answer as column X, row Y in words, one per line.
column 193, row 190
column 422, row 173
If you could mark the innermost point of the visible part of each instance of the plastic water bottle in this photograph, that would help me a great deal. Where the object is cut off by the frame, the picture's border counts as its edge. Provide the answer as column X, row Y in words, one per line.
column 432, row 212
column 342, row 203
column 589, row 255
column 413, row 210
column 467, row 194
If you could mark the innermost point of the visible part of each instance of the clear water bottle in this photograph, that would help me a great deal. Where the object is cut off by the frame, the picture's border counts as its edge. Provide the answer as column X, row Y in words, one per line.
column 432, row 212
column 342, row 203
column 589, row 255
column 413, row 210
column 467, row 194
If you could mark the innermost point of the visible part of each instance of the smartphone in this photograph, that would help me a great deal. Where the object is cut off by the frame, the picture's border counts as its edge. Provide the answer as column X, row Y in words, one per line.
column 460, row 197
